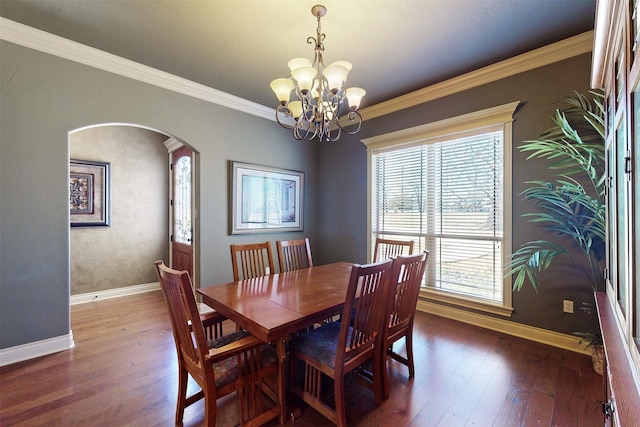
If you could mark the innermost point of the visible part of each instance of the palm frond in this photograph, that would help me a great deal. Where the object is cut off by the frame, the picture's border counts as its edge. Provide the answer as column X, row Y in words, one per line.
column 575, row 142
column 532, row 258
column 574, row 147
column 567, row 210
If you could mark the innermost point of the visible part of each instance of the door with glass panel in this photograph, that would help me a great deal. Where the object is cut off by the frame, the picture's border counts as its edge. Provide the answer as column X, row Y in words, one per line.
column 181, row 209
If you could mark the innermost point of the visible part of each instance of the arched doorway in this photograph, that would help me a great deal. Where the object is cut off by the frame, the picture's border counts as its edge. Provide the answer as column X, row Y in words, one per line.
column 140, row 229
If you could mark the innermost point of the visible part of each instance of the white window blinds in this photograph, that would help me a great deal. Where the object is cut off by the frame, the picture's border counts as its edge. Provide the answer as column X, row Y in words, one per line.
column 446, row 194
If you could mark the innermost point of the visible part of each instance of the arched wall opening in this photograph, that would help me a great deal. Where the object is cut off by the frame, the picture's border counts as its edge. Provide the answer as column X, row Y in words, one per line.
column 118, row 259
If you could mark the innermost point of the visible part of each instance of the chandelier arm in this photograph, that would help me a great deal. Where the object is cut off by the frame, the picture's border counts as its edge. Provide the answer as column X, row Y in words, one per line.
column 323, row 130
column 316, row 130
column 337, row 132
column 330, row 131
column 296, row 132
column 308, row 109
column 355, row 119
column 300, row 134
column 305, row 131
column 287, row 112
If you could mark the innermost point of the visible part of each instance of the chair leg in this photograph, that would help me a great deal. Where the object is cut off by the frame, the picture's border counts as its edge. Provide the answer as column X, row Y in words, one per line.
column 380, row 380
column 387, row 352
column 409, row 340
column 338, row 392
column 292, row 371
column 210, row 408
column 183, row 377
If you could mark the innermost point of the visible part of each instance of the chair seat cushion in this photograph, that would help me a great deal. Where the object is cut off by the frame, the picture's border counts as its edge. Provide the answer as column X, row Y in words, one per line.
column 227, row 339
column 319, row 344
column 226, row 370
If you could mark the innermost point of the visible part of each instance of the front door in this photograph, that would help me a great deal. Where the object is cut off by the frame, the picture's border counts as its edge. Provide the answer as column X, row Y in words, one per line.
column 181, row 204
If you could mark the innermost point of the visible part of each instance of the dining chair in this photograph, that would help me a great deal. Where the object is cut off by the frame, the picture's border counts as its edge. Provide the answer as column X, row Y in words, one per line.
column 236, row 362
column 337, row 348
column 294, row 254
column 388, row 248
column 255, row 260
column 406, row 278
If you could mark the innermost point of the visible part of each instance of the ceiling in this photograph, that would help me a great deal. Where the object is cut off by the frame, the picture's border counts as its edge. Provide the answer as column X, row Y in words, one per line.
column 239, row 46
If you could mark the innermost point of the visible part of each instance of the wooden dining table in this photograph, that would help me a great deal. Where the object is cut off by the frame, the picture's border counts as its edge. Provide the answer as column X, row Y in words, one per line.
column 274, row 307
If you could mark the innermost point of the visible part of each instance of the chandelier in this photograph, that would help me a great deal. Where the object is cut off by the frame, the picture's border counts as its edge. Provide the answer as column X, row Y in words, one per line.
column 320, row 98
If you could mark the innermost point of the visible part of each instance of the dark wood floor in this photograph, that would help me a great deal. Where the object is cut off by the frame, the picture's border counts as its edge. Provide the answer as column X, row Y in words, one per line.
column 122, row 372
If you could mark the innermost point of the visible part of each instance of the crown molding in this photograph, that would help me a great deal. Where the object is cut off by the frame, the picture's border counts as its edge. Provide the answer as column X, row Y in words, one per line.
column 172, row 144
column 42, row 41
column 565, row 49
column 450, row 126
column 33, row 38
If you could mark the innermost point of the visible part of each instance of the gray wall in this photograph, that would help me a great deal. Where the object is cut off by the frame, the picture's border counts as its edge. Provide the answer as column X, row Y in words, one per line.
column 46, row 97
column 343, row 174
column 139, row 231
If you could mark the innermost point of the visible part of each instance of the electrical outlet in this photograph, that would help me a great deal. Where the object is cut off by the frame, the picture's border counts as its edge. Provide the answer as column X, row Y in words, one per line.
column 567, row 306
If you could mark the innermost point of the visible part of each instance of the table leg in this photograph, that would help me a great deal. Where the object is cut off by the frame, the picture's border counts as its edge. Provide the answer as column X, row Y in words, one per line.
column 282, row 358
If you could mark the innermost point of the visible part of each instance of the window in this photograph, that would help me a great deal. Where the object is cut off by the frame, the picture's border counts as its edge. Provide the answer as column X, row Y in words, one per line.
column 446, row 185
column 182, row 201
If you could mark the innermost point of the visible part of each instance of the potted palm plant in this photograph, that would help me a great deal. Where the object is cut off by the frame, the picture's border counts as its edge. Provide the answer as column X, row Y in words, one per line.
column 571, row 206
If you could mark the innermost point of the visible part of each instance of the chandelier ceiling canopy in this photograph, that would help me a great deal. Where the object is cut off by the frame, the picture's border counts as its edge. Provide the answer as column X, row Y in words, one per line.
column 320, row 98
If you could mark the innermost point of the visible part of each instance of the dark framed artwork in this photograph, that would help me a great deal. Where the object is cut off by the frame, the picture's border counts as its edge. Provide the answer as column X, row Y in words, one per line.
column 265, row 199
column 89, row 193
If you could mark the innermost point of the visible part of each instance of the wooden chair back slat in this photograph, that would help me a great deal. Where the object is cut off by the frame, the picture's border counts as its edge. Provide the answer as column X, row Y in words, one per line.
column 387, row 248
column 294, row 254
column 251, row 260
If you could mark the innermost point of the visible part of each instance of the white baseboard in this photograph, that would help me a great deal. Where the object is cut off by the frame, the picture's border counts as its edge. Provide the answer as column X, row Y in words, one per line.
column 555, row 339
column 113, row 293
column 53, row 345
column 32, row 350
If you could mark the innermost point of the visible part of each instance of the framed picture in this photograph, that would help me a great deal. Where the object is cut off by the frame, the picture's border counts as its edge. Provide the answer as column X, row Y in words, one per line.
column 265, row 199
column 89, row 196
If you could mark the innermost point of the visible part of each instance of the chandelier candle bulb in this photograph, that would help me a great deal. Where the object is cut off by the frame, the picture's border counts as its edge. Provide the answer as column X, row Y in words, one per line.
column 319, row 94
